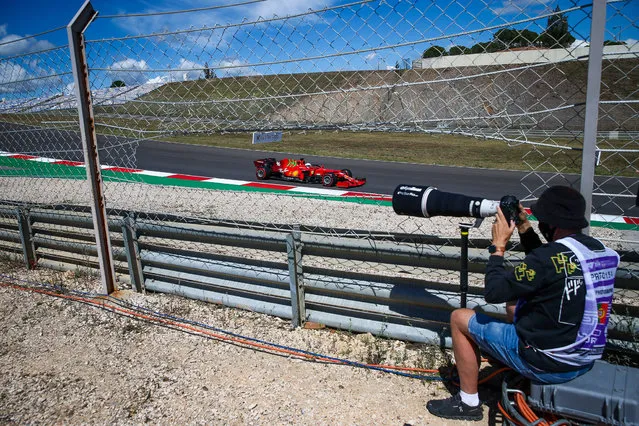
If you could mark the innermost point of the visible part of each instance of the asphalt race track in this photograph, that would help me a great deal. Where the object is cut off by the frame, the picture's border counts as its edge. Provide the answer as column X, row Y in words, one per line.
column 382, row 177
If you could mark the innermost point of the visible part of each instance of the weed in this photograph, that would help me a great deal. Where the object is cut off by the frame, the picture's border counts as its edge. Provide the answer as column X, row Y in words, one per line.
column 376, row 351
column 10, row 263
column 85, row 272
column 178, row 308
column 132, row 327
column 400, row 357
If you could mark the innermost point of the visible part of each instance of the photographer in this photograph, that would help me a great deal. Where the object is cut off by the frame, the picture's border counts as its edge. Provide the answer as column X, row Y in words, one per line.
column 558, row 302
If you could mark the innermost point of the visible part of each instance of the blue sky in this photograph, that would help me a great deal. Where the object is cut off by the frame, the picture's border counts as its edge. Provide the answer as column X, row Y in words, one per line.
column 376, row 35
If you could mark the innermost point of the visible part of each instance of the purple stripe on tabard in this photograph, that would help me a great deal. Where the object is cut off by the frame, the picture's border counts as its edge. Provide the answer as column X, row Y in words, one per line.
column 603, row 262
column 609, row 282
column 601, row 340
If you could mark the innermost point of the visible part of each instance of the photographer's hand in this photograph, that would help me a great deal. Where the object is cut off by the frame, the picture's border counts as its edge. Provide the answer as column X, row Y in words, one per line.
column 502, row 231
column 524, row 224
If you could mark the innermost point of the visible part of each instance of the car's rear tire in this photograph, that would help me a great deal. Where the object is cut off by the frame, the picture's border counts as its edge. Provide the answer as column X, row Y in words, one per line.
column 261, row 173
column 347, row 172
column 329, row 179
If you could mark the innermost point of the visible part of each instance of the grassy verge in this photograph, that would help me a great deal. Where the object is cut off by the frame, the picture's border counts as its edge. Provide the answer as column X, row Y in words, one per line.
column 420, row 148
column 448, row 150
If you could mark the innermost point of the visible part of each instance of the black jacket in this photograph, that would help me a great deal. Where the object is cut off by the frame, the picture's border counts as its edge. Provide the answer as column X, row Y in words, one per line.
column 551, row 290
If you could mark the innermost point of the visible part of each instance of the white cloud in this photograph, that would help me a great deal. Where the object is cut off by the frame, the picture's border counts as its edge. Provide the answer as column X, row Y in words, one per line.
column 27, row 77
column 11, row 77
column 69, row 89
column 512, row 7
column 189, row 70
column 271, row 8
column 217, row 47
column 25, row 74
column 185, row 71
column 129, row 70
column 250, row 12
column 370, row 56
column 235, row 67
column 158, row 80
column 14, row 44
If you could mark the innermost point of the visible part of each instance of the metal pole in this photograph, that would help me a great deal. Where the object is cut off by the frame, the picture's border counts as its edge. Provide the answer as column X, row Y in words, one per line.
column 294, row 249
column 463, row 270
column 597, row 28
column 132, row 249
column 26, row 237
column 75, row 33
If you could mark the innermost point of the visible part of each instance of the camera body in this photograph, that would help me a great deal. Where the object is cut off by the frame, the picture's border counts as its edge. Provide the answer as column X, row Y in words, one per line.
column 427, row 201
column 509, row 205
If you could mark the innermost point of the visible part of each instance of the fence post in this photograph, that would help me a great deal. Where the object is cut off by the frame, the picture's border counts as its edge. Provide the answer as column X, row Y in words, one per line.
column 75, row 33
column 463, row 268
column 26, row 236
column 597, row 29
column 294, row 250
column 130, row 236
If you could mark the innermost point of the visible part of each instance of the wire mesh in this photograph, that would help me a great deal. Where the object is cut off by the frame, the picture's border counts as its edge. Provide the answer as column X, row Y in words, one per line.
column 496, row 85
column 617, row 159
column 41, row 154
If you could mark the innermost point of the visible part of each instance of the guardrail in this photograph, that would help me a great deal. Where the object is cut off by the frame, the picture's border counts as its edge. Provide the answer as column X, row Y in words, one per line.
column 284, row 274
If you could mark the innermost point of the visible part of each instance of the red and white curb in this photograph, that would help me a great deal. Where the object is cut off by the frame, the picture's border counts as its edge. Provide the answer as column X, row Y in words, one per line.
column 205, row 179
column 607, row 218
column 626, row 220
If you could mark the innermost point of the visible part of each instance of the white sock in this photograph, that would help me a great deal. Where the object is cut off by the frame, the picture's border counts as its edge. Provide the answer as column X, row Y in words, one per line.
column 471, row 399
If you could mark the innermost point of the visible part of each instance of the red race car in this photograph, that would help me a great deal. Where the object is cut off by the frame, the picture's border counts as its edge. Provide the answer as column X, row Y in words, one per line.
column 300, row 171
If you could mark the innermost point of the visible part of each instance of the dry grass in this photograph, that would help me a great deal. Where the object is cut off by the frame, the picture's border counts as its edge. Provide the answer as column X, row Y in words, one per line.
column 446, row 150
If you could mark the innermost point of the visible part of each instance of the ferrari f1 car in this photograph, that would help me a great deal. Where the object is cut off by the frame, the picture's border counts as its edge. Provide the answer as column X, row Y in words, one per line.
column 300, row 171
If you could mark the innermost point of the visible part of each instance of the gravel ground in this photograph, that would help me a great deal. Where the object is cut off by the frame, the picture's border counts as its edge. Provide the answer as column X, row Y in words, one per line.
column 65, row 362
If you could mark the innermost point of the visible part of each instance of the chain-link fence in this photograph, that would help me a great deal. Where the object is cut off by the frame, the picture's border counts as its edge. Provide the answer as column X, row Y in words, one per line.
column 482, row 84
column 41, row 152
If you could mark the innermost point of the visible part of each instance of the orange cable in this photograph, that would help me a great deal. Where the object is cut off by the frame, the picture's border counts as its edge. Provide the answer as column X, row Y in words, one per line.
column 532, row 416
column 505, row 414
column 523, row 408
column 160, row 320
column 487, row 378
column 245, row 342
column 493, row 374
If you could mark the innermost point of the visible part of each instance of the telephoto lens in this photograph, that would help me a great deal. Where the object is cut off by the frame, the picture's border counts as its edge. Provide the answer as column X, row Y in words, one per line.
column 427, row 201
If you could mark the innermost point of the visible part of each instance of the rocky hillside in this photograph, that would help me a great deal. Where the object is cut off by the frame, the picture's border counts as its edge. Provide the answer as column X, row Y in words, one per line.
column 540, row 97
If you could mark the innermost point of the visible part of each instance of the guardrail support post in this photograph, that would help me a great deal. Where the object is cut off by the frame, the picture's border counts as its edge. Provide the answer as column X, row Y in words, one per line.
column 26, row 236
column 75, row 34
column 130, row 235
column 294, row 250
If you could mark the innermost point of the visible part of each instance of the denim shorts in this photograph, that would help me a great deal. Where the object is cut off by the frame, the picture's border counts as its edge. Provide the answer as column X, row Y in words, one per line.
column 499, row 340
